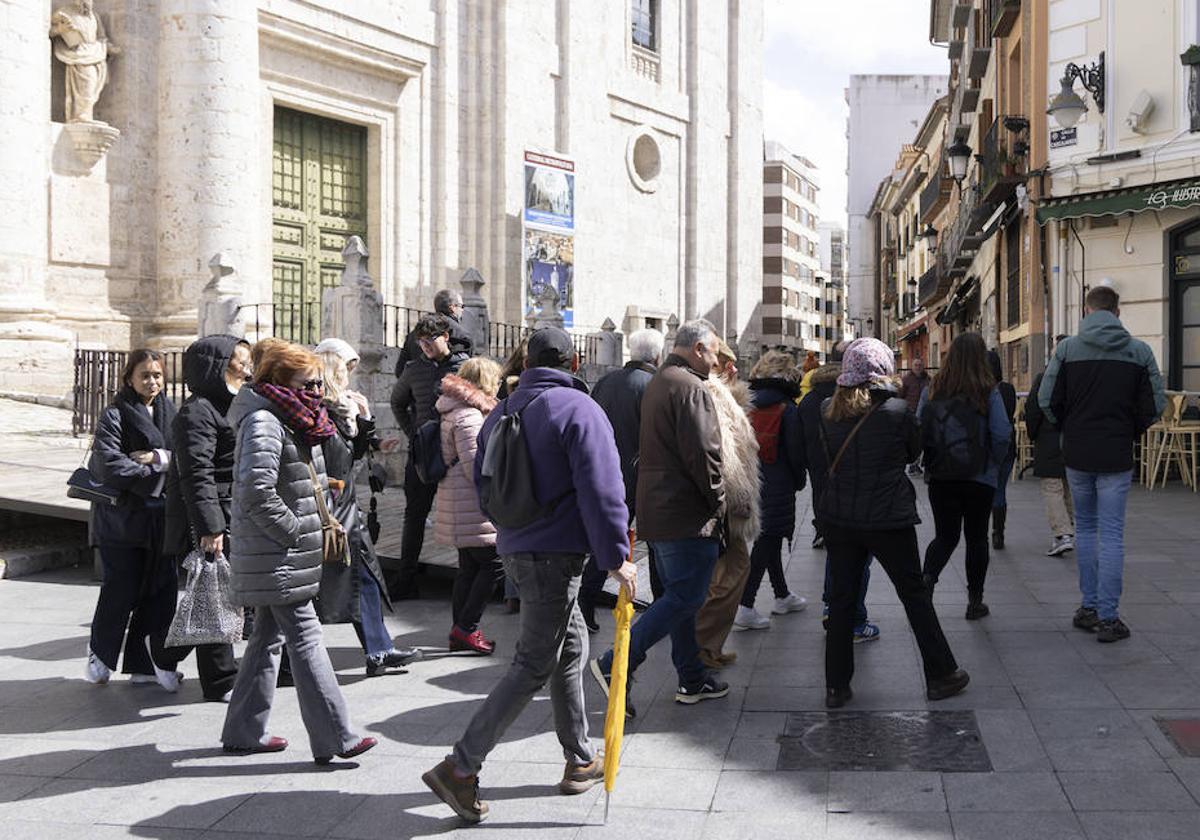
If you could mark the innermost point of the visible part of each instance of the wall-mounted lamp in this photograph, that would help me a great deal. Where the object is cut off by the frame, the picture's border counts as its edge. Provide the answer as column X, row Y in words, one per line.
column 1067, row 107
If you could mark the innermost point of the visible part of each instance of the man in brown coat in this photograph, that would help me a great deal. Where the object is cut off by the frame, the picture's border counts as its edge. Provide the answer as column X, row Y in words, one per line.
column 680, row 509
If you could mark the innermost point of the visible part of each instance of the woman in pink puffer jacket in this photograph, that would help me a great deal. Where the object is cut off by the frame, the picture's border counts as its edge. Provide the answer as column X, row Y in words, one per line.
column 465, row 401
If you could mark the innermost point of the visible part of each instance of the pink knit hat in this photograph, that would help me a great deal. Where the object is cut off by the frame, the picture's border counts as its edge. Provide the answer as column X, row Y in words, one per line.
column 868, row 361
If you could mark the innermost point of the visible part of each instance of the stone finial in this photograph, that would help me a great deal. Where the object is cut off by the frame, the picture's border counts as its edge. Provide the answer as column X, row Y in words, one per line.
column 355, row 256
column 221, row 300
column 475, row 319
column 672, row 329
column 608, row 326
column 549, row 315
column 221, row 267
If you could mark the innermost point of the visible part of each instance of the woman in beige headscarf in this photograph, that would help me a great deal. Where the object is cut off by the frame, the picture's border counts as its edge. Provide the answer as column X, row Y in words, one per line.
column 739, row 462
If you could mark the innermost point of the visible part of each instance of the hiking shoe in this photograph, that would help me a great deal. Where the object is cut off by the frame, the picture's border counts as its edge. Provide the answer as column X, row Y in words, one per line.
column 462, row 795
column 976, row 609
column 460, row 639
column 1086, row 619
column 866, row 632
column 580, row 778
column 379, row 663
column 748, row 618
column 1060, row 546
column 709, row 688
column 835, row 698
column 1112, row 631
column 603, row 679
column 789, row 604
column 96, row 672
column 947, row 686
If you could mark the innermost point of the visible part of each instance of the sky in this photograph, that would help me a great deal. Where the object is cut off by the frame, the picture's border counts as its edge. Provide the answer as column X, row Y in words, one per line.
column 812, row 48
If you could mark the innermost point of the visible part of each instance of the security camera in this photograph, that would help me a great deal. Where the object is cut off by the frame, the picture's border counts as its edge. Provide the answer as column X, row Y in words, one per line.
column 1139, row 112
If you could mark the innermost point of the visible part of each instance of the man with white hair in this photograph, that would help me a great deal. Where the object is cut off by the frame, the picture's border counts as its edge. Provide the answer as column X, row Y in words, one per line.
column 619, row 393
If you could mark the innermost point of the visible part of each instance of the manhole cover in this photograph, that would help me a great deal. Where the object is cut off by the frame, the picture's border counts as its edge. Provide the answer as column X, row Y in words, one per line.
column 943, row 741
column 1184, row 734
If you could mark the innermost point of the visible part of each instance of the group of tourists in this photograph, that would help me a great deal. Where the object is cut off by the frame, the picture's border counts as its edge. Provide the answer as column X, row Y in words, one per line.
column 543, row 485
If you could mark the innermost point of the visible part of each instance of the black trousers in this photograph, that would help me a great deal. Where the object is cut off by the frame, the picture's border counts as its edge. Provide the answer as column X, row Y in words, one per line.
column 473, row 585
column 766, row 557
column 418, row 501
column 137, row 602
column 898, row 554
column 960, row 507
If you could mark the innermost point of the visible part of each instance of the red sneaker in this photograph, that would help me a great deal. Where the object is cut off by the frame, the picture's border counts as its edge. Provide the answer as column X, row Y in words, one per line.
column 462, row 640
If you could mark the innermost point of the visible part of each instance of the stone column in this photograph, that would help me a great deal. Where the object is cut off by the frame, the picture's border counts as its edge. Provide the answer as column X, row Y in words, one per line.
column 210, row 169
column 34, row 353
column 611, row 351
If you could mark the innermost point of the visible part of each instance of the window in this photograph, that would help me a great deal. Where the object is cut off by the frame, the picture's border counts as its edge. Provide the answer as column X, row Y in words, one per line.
column 645, row 23
column 1013, row 257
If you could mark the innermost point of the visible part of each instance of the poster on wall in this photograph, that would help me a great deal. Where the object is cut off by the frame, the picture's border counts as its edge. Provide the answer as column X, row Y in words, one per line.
column 548, row 235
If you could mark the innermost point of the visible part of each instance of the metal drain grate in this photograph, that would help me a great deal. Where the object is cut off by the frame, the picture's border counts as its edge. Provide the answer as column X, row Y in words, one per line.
column 943, row 741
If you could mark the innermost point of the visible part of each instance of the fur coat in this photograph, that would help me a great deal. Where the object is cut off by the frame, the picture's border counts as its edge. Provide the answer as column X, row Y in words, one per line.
column 739, row 458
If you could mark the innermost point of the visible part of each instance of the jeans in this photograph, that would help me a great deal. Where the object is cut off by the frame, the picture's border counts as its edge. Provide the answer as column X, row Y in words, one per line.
column 766, row 556
column 552, row 645
column 686, row 568
column 473, row 585
column 375, row 636
column 1100, row 537
column 1000, row 500
column 960, row 507
column 860, row 609
column 897, row 552
column 322, row 706
column 138, row 591
column 418, row 501
column 1060, row 512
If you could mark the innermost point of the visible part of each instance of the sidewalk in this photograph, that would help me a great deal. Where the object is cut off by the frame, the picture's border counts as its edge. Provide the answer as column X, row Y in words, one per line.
column 1067, row 726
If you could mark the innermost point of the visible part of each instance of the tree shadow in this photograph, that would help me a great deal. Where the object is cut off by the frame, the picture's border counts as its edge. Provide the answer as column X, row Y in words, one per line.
column 55, row 650
column 58, row 704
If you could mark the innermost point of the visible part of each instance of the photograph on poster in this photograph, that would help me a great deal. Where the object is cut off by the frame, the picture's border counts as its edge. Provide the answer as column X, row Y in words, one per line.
column 549, row 196
column 549, row 264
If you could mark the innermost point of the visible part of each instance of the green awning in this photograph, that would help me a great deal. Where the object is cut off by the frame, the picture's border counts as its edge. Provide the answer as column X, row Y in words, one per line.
column 1163, row 196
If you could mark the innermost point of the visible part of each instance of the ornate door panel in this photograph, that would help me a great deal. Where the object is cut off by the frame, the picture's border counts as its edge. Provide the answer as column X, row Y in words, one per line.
column 319, row 197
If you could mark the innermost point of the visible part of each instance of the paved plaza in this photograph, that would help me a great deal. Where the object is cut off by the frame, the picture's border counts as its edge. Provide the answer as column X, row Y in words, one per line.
column 1069, row 726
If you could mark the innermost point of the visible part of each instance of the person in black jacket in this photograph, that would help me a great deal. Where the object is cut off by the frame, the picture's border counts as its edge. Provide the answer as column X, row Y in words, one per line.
column 1051, row 471
column 413, row 402
column 776, row 420
column 131, row 452
column 619, row 393
column 1008, row 395
column 198, row 507
column 449, row 304
column 870, row 508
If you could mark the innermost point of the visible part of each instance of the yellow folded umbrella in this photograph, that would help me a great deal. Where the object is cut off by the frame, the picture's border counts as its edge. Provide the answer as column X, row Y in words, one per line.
column 614, row 720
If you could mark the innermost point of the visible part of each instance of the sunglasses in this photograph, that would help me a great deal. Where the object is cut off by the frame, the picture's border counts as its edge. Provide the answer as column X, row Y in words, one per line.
column 312, row 385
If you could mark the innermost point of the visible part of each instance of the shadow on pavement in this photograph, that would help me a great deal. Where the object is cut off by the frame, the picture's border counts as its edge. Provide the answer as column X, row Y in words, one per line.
column 55, row 650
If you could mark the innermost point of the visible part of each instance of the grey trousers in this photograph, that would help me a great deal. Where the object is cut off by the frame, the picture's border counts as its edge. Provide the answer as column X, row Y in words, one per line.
column 1060, row 511
column 552, row 645
column 321, row 703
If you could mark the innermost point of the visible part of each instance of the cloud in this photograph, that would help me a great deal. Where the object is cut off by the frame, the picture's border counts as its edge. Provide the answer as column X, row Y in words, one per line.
column 812, row 48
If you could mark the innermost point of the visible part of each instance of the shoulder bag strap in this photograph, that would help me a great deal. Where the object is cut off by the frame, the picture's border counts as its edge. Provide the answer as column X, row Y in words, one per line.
column 333, row 545
column 846, row 443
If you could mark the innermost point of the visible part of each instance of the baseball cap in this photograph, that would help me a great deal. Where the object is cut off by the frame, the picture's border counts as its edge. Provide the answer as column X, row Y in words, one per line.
column 550, row 347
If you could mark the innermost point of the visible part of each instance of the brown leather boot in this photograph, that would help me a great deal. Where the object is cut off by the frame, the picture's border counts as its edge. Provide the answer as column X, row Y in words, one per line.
column 462, row 795
column 579, row 778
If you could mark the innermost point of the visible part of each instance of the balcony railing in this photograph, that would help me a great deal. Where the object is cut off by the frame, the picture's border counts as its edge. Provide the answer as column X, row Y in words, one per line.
column 928, row 285
column 1004, row 15
column 999, row 169
column 935, row 193
column 979, row 46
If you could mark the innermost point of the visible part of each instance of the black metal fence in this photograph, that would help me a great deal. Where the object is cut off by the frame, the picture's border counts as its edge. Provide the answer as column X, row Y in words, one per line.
column 98, row 378
column 297, row 322
column 398, row 322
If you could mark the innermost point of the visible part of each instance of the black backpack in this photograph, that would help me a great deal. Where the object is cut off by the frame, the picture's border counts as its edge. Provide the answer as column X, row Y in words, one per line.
column 953, row 436
column 426, row 445
column 506, row 488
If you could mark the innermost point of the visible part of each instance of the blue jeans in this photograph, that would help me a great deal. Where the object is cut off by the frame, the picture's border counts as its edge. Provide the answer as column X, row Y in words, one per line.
column 860, row 607
column 376, row 638
column 685, row 567
column 1000, row 500
column 1099, row 500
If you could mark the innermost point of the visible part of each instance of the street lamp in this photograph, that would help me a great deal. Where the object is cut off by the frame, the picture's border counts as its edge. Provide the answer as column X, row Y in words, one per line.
column 959, row 156
column 1067, row 107
column 930, row 236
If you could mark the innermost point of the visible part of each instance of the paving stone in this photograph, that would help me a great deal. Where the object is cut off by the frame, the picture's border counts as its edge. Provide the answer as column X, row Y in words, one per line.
column 885, row 791
column 1004, row 792
column 1140, row 825
column 1116, row 790
column 1104, row 753
column 1002, row 826
column 772, row 792
column 889, row 826
column 736, row 825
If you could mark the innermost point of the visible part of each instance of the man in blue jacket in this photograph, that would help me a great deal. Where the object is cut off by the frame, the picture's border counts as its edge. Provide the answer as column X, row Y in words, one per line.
column 571, row 445
column 1102, row 388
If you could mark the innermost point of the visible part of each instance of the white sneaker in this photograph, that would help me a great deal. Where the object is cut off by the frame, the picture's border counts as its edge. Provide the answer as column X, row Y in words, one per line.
column 169, row 680
column 749, row 619
column 1060, row 546
column 97, row 672
column 792, row 603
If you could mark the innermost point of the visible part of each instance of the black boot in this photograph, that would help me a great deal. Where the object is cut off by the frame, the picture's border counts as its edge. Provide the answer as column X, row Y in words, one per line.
column 999, row 515
column 976, row 609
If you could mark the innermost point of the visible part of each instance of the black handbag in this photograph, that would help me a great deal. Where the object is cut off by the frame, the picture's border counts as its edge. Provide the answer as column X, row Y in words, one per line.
column 83, row 485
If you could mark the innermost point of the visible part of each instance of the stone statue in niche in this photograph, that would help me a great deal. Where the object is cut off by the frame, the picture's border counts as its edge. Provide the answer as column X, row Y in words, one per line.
column 83, row 47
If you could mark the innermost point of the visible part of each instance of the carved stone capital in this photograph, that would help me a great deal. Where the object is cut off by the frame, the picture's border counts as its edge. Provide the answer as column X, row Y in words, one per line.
column 91, row 140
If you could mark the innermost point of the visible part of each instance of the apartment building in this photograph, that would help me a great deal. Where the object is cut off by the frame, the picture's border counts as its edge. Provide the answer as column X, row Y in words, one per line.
column 792, row 309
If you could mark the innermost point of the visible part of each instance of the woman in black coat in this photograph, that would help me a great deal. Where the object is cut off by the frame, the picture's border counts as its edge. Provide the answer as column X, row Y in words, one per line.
column 198, row 507
column 131, row 452
column 353, row 593
column 869, row 508
column 1051, row 470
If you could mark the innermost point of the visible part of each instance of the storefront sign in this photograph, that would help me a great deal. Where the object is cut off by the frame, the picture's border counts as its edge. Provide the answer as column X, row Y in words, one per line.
column 1063, row 137
column 1179, row 197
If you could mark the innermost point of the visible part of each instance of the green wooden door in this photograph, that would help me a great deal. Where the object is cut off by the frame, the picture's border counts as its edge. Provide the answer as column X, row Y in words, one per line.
column 318, row 197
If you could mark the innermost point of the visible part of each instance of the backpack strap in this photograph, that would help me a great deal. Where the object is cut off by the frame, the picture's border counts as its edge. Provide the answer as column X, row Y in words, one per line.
column 846, row 443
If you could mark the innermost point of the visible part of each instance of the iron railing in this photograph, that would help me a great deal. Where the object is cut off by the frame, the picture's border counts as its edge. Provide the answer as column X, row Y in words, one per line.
column 398, row 322
column 98, row 378
column 504, row 339
column 296, row 322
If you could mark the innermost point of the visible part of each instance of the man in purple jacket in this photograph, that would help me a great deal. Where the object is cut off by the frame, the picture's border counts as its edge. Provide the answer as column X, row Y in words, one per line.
column 574, row 453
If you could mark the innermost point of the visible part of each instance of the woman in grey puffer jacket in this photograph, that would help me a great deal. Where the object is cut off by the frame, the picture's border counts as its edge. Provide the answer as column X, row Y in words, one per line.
column 276, row 555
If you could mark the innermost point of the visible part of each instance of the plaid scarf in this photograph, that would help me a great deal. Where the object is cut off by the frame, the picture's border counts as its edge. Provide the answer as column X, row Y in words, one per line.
column 302, row 412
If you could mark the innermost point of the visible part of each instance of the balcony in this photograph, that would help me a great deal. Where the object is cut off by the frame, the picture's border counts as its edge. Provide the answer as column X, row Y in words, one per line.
column 932, row 285
column 1004, row 15
column 979, row 47
column 935, row 193
column 999, row 169
column 960, row 15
